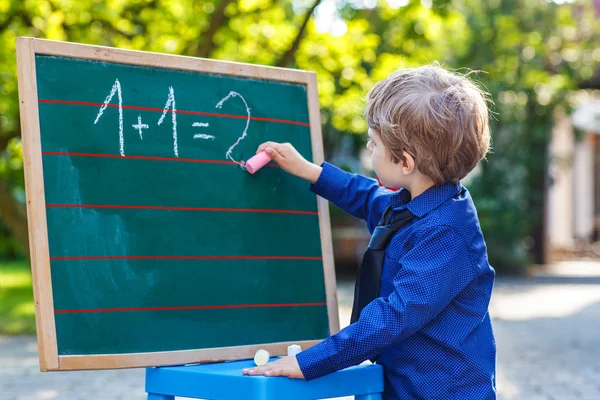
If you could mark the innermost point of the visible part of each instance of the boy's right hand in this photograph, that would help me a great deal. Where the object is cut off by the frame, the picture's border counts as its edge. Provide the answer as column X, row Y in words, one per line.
column 288, row 158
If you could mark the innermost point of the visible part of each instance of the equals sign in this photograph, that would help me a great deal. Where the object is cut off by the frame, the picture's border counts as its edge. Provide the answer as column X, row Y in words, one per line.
column 202, row 135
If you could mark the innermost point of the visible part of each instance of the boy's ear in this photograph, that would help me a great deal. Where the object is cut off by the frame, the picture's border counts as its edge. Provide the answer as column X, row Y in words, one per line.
column 408, row 164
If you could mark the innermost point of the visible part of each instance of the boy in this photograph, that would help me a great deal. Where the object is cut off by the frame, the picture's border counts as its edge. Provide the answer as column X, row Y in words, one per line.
column 423, row 289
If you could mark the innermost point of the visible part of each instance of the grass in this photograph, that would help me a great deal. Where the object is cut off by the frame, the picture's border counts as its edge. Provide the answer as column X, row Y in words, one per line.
column 17, row 314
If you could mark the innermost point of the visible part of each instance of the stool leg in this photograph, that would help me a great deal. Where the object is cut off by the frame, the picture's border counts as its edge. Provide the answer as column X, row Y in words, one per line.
column 370, row 396
column 154, row 396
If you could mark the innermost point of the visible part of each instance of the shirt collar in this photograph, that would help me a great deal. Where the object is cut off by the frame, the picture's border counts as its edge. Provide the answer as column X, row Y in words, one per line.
column 429, row 200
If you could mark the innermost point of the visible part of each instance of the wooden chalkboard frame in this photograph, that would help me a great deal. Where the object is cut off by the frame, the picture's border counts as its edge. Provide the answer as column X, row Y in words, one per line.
column 50, row 360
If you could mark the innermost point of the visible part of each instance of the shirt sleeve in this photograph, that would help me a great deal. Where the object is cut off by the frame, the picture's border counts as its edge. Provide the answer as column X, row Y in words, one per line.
column 432, row 273
column 355, row 194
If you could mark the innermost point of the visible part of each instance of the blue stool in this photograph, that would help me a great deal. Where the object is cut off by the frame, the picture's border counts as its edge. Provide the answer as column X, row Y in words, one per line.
column 225, row 381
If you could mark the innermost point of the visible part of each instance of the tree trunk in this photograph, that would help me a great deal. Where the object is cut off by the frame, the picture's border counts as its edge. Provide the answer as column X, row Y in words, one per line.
column 288, row 56
column 217, row 20
column 14, row 216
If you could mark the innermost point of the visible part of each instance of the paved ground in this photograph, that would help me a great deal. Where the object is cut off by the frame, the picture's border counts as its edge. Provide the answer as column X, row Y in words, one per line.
column 547, row 330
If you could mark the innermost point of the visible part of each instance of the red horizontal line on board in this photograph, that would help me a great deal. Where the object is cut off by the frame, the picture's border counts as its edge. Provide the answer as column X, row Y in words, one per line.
column 74, row 154
column 81, row 258
column 250, row 210
column 180, row 308
column 191, row 160
column 88, row 103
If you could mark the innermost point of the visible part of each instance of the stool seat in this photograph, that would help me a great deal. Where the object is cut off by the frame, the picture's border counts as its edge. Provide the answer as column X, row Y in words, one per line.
column 225, row 381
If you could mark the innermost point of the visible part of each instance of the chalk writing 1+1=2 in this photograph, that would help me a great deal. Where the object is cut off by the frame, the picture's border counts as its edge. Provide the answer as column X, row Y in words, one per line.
column 170, row 106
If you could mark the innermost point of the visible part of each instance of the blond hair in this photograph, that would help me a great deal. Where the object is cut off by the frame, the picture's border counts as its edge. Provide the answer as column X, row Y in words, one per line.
column 438, row 117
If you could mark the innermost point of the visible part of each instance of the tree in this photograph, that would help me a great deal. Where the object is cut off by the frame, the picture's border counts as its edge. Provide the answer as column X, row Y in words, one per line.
column 267, row 32
column 534, row 53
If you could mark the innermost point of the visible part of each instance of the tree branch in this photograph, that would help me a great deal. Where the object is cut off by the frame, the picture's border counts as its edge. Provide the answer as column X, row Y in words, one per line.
column 9, row 19
column 26, row 19
column 218, row 18
column 287, row 57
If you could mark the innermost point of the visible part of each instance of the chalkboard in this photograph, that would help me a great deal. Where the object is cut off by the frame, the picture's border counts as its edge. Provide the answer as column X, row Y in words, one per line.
column 150, row 243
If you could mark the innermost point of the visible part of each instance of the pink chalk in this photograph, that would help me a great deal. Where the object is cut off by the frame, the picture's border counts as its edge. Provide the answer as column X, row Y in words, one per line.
column 257, row 162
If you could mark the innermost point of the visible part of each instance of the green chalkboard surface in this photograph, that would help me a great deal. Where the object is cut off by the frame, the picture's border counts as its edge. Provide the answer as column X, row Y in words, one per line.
column 157, row 239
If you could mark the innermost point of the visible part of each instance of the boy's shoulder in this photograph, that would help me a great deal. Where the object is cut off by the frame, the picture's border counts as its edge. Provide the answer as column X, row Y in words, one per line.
column 451, row 228
column 457, row 214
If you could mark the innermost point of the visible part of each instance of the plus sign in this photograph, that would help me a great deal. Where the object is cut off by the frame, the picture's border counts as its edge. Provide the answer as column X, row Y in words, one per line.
column 139, row 126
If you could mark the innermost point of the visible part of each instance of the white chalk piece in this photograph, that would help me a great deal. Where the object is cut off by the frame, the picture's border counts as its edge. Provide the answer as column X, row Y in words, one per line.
column 293, row 350
column 261, row 357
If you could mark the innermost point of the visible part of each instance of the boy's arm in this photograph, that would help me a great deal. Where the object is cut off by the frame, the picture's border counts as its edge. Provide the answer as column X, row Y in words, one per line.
column 353, row 193
column 430, row 276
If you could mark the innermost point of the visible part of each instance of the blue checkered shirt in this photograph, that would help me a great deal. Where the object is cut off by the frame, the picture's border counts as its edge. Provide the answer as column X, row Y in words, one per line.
column 430, row 327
